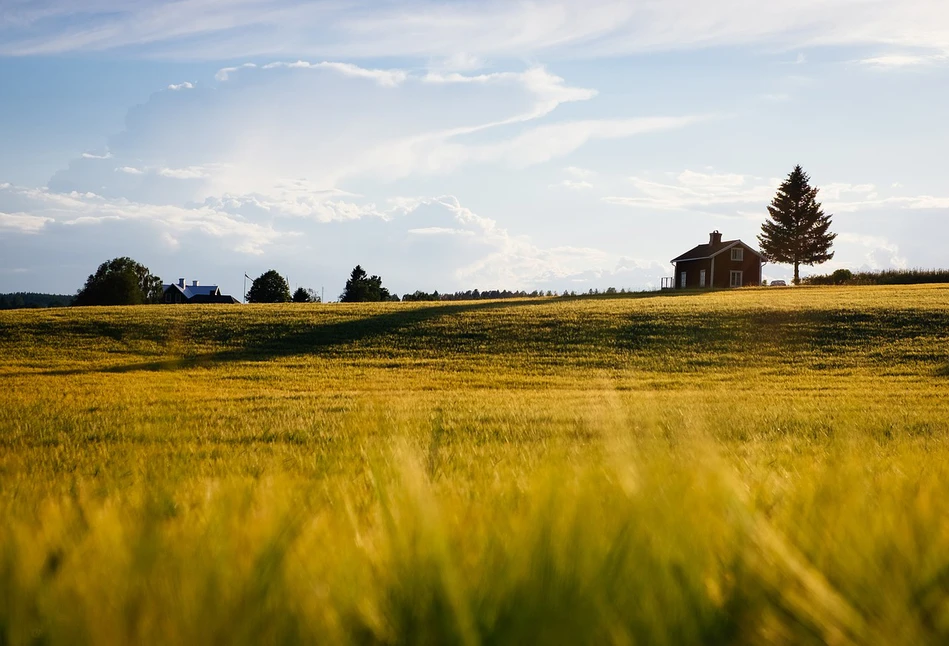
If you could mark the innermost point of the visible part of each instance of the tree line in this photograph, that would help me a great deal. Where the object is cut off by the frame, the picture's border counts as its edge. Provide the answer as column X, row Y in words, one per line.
column 885, row 277
column 19, row 300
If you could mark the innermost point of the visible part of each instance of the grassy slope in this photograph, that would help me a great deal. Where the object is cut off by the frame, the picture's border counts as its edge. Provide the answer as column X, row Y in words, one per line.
column 714, row 468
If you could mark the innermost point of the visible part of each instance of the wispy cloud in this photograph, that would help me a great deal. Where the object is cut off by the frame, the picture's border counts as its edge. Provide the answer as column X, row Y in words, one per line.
column 224, row 73
column 107, row 155
column 385, row 78
column 726, row 193
column 896, row 61
column 130, row 170
column 187, row 85
column 464, row 31
column 190, row 172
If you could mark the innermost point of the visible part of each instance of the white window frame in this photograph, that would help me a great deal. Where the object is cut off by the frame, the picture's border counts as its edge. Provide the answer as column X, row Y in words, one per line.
column 682, row 276
column 701, row 278
column 738, row 253
column 731, row 278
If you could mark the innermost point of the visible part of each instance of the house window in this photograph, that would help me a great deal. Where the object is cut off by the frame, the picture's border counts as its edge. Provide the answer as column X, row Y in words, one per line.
column 682, row 280
column 702, row 278
column 735, row 279
column 738, row 254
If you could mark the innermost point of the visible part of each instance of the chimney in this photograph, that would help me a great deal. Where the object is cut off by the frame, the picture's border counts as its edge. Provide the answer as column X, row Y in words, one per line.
column 194, row 283
column 181, row 282
column 715, row 238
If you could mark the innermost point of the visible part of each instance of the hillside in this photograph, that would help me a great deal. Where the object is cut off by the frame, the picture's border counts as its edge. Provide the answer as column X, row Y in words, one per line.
column 760, row 465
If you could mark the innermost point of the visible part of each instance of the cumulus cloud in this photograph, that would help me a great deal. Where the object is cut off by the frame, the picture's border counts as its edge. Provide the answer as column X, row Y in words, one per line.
column 875, row 251
column 42, row 207
column 187, row 85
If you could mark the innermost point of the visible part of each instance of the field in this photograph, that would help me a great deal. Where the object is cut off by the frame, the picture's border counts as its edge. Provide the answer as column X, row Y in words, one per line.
column 753, row 466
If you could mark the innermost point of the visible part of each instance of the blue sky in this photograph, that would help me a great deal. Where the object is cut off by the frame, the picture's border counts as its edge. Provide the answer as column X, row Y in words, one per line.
column 560, row 145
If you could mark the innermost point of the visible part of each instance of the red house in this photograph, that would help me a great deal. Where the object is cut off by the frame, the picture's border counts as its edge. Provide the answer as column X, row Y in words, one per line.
column 728, row 263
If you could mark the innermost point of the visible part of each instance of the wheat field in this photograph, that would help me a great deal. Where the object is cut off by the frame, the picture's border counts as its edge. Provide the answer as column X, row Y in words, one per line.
column 741, row 467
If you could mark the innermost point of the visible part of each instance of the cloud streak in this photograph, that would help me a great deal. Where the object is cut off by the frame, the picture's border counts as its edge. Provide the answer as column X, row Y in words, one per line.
column 465, row 32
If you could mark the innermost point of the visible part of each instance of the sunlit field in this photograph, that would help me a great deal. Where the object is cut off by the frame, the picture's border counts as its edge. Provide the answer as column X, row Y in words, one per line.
column 743, row 467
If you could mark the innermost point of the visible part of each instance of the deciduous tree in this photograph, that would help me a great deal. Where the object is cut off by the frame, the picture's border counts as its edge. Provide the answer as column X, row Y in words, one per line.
column 120, row 281
column 269, row 287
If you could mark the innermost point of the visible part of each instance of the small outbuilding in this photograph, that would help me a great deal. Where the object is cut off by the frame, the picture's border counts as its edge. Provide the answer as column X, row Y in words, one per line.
column 719, row 263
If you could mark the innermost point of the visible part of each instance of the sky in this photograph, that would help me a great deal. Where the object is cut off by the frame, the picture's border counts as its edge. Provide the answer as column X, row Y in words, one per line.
column 454, row 145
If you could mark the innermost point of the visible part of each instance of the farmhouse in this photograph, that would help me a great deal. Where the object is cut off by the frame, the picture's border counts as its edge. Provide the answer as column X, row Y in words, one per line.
column 194, row 293
column 728, row 263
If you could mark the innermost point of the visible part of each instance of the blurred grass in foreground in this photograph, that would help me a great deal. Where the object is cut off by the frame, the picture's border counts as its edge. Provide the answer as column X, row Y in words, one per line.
column 759, row 466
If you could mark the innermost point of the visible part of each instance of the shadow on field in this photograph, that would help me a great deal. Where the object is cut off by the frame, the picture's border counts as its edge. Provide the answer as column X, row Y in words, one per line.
column 666, row 340
column 271, row 342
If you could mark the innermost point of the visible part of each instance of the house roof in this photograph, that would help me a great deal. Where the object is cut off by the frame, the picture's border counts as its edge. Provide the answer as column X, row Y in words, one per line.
column 703, row 251
column 190, row 291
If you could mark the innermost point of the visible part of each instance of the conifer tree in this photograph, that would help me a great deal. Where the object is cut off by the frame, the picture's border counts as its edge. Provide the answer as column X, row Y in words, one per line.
column 361, row 288
column 797, row 231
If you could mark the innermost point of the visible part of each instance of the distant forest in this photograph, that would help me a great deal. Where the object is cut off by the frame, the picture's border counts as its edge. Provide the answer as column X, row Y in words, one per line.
column 19, row 300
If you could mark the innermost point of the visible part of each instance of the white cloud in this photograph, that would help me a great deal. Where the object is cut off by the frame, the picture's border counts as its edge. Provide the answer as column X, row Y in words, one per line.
column 722, row 192
column 190, row 172
column 579, row 173
column 385, row 78
column 547, row 142
column 43, row 208
column 130, row 170
column 878, row 251
column 697, row 190
column 187, row 85
column 894, row 61
column 224, row 73
column 23, row 222
column 107, row 155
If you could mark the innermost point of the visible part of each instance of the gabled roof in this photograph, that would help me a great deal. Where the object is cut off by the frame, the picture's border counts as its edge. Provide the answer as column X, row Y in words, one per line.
column 190, row 291
column 707, row 250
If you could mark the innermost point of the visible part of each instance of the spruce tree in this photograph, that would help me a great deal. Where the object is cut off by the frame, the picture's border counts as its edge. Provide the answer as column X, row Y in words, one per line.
column 798, row 231
column 362, row 288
